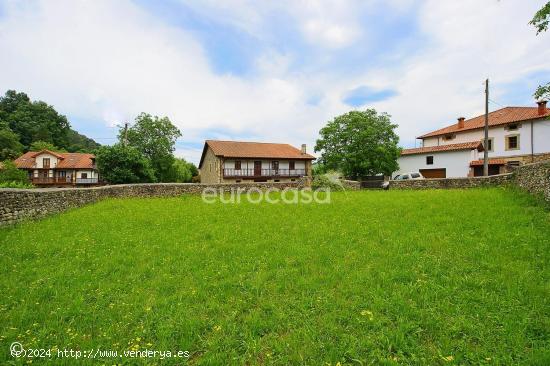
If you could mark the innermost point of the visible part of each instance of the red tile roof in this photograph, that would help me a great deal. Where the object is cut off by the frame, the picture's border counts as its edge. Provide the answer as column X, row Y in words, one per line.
column 260, row 150
column 498, row 117
column 67, row 160
column 451, row 147
column 491, row 162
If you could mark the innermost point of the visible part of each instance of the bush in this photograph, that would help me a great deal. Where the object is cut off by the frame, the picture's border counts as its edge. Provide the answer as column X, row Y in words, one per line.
column 120, row 164
column 329, row 180
column 9, row 173
column 15, row 185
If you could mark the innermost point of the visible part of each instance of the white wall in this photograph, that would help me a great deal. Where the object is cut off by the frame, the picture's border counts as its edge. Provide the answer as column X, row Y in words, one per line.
column 541, row 138
column 39, row 160
column 456, row 163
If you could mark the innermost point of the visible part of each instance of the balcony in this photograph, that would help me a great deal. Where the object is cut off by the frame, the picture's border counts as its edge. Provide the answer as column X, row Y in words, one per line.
column 46, row 180
column 254, row 173
column 87, row 181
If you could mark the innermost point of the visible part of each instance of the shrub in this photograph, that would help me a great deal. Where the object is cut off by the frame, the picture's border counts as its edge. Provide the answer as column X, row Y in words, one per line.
column 10, row 173
column 328, row 180
column 15, row 185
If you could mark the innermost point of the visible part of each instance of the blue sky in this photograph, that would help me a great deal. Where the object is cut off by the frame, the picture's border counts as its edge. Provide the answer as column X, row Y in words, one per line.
column 269, row 71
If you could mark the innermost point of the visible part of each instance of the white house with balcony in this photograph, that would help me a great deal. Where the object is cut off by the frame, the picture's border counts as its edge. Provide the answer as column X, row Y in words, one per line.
column 240, row 162
column 49, row 168
column 517, row 135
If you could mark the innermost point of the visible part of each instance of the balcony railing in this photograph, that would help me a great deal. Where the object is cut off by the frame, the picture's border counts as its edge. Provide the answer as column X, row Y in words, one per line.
column 86, row 181
column 63, row 180
column 227, row 172
column 50, row 180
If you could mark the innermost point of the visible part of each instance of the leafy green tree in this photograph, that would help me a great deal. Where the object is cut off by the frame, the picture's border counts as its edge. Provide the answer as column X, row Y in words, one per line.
column 38, row 121
column 540, row 21
column 10, row 147
column 119, row 164
column 359, row 143
column 156, row 138
column 9, row 173
column 43, row 145
column 182, row 171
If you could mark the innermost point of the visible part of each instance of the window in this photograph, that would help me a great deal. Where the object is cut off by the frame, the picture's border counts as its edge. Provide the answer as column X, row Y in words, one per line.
column 449, row 136
column 275, row 165
column 291, row 165
column 512, row 127
column 46, row 162
column 429, row 160
column 84, row 175
column 512, row 142
column 490, row 143
column 238, row 165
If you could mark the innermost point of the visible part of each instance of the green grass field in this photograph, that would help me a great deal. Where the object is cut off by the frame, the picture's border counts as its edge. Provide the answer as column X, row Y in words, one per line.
column 398, row 277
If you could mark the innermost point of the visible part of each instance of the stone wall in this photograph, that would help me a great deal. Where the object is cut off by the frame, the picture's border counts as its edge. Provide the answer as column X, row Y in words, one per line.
column 435, row 183
column 19, row 204
column 534, row 178
column 351, row 185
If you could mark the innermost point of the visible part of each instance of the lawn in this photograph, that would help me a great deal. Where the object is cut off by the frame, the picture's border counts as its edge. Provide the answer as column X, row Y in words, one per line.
column 398, row 277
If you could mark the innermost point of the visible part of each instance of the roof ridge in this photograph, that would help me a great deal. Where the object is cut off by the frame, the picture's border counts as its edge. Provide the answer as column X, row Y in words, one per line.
column 251, row 142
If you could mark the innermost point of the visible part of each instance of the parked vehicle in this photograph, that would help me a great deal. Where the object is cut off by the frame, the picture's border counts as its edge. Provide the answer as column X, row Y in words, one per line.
column 404, row 176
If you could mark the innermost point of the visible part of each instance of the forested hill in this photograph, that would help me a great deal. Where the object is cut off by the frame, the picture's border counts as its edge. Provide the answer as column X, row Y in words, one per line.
column 28, row 125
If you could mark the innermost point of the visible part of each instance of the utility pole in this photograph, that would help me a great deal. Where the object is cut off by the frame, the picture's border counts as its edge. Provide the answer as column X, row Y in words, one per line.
column 125, row 134
column 486, row 139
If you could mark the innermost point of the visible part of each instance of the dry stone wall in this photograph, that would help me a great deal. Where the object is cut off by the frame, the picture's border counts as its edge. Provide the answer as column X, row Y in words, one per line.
column 20, row 204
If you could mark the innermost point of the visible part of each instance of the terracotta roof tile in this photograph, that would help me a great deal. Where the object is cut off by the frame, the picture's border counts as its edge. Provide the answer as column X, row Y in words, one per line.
column 260, row 150
column 451, row 147
column 498, row 117
column 491, row 162
column 67, row 160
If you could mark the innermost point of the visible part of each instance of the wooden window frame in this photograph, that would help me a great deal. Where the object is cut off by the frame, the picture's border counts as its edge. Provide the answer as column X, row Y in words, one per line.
column 237, row 165
column 428, row 162
column 491, row 142
column 291, row 165
column 507, row 142
column 44, row 165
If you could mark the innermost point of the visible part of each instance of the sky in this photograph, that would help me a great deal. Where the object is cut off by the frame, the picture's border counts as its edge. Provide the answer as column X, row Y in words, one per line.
column 272, row 71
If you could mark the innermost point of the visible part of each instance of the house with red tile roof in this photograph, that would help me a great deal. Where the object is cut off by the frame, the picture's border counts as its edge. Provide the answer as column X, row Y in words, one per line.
column 238, row 161
column 52, row 169
column 517, row 135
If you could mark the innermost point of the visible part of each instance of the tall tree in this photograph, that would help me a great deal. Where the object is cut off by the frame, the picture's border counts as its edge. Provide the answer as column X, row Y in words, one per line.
column 43, row 145
column 359, row 143
column 35, row 121
column 540, row 21
column 156, row 138
column 10, row 147
column 119, row 164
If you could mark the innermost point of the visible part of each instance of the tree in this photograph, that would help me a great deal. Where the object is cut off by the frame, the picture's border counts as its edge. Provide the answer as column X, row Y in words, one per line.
column 10, row 147
column 540, row 21
column 43, row 145
column 156, row 138
column 182, row 171
column 119, row 164
column 9, row 173
column 37, row 121
column 359, row 143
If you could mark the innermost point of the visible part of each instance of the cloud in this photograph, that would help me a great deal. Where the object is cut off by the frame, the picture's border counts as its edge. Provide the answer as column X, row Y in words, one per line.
column 292, row 65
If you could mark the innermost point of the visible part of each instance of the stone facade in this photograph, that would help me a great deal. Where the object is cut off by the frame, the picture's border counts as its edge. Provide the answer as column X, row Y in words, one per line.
column 19, row 204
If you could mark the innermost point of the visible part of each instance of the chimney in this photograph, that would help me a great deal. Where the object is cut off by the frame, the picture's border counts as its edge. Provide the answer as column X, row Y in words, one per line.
column 304, row 149
column 460, row 122
column 542, row 107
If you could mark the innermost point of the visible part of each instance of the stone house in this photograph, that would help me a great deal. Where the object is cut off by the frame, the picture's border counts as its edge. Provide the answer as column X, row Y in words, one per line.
column 238, row 161
column 52, row 169
column 517, row 135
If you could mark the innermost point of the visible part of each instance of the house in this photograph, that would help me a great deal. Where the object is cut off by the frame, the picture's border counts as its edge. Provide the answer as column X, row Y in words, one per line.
column 517, row 135
column 53, row 169
column 237, row 161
